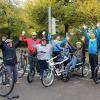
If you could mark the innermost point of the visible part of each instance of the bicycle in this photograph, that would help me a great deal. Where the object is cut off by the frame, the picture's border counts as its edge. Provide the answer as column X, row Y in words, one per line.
column 22, row 64
column 52, row 72
column 35, row 68
column 96, row 77
column 6, row 81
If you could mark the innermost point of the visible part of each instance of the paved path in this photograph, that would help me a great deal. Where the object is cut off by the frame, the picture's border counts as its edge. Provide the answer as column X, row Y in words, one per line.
column 76, row 89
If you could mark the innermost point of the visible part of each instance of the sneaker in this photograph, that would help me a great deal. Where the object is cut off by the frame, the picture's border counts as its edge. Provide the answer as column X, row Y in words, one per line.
column 66, row 78
column 18, row 82
column 40, row 77
column 7, row 85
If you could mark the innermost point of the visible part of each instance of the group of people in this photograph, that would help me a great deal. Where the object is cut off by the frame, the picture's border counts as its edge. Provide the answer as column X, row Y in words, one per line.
column 43, row 49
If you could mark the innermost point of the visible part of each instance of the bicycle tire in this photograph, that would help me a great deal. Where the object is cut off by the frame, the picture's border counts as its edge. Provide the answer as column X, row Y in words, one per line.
column 85, row 70
column 23, row 67
column 51, row 74
column 30, row 76
column 96, row 77
column 12, row 86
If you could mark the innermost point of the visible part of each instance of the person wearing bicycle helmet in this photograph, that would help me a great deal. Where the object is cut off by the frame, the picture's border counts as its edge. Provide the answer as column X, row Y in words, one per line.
column 31, row 51
column 65, row 48
column 76, row 58
column 9, row 56
column 44, row 52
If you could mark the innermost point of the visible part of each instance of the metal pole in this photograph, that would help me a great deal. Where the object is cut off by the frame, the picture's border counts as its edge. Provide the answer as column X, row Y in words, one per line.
column 49, row 20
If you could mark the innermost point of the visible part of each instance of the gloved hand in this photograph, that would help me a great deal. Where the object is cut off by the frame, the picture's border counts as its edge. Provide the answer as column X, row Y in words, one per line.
column 84, row 26
column 23, row 32
column 3, row 38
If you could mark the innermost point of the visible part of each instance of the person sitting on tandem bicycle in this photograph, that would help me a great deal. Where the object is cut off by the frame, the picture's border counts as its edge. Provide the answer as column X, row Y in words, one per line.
column 76, row 60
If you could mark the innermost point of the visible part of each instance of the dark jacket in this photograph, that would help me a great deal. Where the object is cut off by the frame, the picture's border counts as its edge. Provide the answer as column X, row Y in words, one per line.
column 9, row 54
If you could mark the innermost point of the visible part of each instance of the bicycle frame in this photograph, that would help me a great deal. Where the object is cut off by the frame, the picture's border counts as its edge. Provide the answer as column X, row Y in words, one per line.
column 52, row 65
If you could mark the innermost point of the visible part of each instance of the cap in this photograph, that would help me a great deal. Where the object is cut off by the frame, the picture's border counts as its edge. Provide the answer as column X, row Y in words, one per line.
column 33, row 33
column 8, row 40
column 78, row 43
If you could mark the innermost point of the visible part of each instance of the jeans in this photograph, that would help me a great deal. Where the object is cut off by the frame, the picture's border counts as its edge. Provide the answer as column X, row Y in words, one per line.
column 71, row 64
column 33, row 62
column 10, row 69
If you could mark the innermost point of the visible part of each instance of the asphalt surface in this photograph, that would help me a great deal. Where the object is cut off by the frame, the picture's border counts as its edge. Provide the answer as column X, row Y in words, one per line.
column 76, row 89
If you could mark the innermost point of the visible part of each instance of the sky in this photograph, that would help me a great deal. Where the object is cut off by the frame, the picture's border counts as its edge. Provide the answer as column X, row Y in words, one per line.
column 20, row 2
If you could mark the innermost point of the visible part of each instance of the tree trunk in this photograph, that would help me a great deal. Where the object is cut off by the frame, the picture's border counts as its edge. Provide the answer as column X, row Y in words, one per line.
column 66, row 28
column 66, row 25
column 9, row 34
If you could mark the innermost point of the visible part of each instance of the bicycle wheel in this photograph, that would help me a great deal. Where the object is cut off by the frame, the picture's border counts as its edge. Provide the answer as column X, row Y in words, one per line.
column 96, row 77
column 85, row 70
column 6, row 83
column 30, row 76
column 47, row 78
column 21, row 69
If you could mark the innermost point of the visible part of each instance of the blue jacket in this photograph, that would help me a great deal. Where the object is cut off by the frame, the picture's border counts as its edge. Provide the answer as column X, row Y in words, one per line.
column 92, row 44
column 98, row 33
column 9, row 54
column 66, row 51
column 56, row 49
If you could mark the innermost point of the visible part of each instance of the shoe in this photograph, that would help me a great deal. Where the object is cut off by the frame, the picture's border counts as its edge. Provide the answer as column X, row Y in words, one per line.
column 18, row 82
column 65, row 78
column 7, row 85
column 40, row 77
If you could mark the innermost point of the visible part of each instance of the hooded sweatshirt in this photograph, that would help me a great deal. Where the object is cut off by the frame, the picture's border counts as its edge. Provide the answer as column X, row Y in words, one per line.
column 92, row 43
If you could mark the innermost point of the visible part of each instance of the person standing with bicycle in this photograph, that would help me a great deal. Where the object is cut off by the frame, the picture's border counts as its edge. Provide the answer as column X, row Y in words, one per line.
column 44, row 52
column 9, row 56
column 31, row 50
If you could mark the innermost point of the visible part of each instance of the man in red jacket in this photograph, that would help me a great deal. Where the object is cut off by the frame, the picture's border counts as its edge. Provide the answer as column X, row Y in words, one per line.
column 31, row 51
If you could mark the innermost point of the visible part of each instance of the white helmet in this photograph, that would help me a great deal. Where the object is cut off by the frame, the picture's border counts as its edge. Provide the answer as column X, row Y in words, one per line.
column 8, row 40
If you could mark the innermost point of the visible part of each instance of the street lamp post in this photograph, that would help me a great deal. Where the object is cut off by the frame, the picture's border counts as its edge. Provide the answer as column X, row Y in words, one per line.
column 49, row 21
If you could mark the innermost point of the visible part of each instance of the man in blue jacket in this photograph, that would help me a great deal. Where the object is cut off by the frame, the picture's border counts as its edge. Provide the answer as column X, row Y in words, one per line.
column 92, row 39
column 9, row 56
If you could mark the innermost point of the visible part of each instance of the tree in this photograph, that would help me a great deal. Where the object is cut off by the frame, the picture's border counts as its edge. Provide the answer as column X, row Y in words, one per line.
column 69, row 12
column 10, row 18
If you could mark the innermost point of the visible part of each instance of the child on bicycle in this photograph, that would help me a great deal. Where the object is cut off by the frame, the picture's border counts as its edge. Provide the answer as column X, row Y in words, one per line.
column 65, row 48
column 76, row 58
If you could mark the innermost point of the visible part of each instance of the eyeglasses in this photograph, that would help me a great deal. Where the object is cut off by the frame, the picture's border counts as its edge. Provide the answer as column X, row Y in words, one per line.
column 9, row 42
